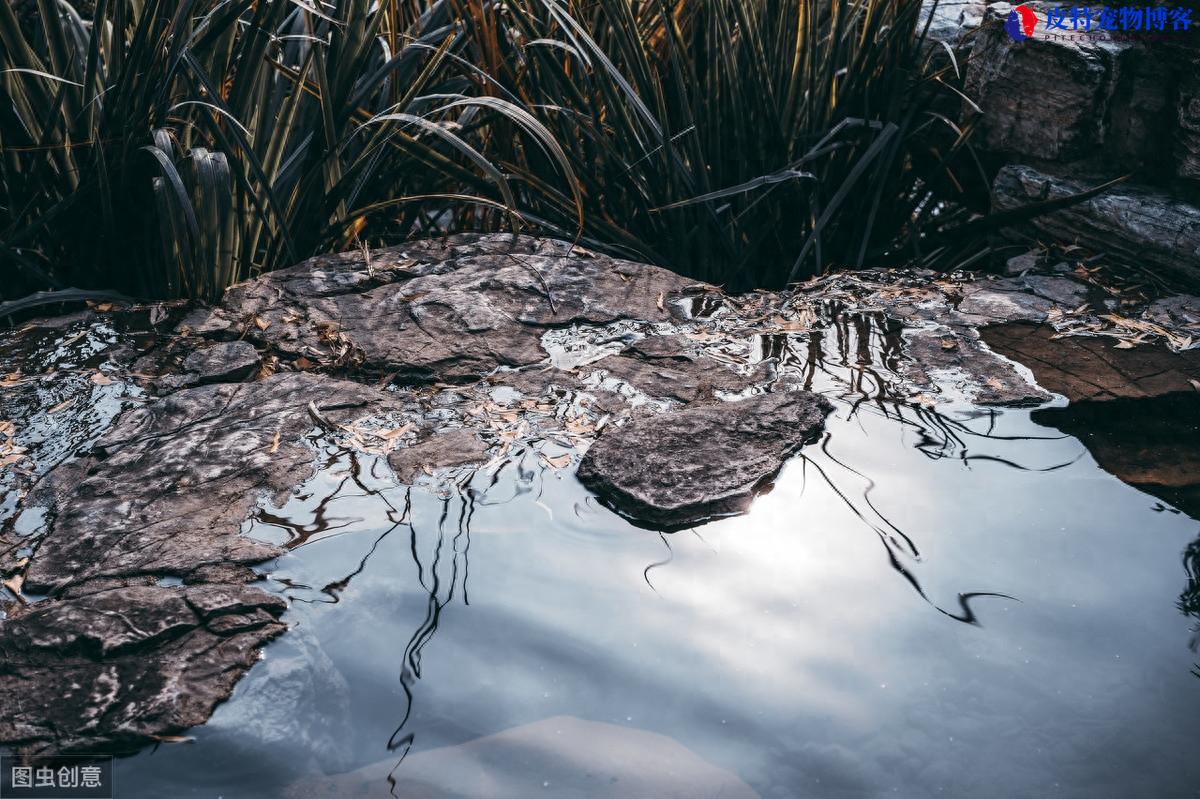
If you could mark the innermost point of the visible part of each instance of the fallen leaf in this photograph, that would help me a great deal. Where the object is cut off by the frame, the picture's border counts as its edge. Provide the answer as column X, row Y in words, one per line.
column 14, row 583
column 101, row 379
column 275, row 443
column 303, row 364
column 559, row 461
column 260, row 323
column 659, row 303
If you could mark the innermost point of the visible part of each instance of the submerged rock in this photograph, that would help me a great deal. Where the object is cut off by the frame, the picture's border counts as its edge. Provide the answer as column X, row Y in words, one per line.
column 684, row 467
column 120, row 666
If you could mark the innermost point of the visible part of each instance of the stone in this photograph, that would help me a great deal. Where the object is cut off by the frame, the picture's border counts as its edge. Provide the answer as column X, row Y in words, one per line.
column 1021, row 263
column 683, row 380
column 707, row 460
column 452, row 310
column 560, row 756
column 1062, row 291
column 1002, row 301
column 165, row 490
column 948, row 362
column 126, row 664
column 1060, row 119
column 1092, row 368
column 1182, row 310
column 224, row 362
column 1132, row 225
column 440, row 450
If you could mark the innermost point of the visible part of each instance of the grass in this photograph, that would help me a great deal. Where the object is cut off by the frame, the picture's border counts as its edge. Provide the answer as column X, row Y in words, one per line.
column 168, row 149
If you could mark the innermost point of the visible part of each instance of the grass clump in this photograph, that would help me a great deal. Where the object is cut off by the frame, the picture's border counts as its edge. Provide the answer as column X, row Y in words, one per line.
column 169, row 149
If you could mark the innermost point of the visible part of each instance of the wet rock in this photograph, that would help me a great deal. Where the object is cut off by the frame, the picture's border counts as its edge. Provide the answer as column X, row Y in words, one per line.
column 1082, row 368
column 440, row 450
column 450, row 311
column 561, row 756
column 126, row 664
column 296, row 679
column 1131, row 224
column 166, row 489
column 707, row 460
column 225, row 362
column 952, row 363
column 1002, row 301
column 683, row 380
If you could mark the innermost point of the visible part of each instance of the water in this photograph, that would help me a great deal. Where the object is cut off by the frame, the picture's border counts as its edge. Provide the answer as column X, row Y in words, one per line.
column 958, row 603
column 502, row 634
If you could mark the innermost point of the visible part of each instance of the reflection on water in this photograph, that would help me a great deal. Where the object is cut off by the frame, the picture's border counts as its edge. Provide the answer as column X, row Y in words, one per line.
column 957, row 603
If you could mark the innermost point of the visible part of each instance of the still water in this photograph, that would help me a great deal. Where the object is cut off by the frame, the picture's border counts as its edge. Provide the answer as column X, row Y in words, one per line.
column 955, row 604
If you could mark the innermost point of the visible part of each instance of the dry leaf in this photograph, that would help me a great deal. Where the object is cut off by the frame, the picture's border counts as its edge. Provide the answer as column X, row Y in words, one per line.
column 101, row 379
column 303, row 364
column 275, row 443
column 260, row 323
column 62, row 406
column 14, row 583
column 559, row 461
column 659, row 303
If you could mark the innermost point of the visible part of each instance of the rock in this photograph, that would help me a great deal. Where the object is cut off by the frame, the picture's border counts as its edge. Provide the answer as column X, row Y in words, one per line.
column 440, row 450
column 166, row 489
column 449, row 311
column 1063, row 291
column 126, row 664
column 1131, row 224
column 1002, row 301
column 562, row 756
column 226, row 362
column 1182, row 310
column 682, row 467
column 952, row 363
column 1021, row 263
column 1187, row 108
column 1100, row 100
column 952, row 20
column 1082, row 368
column 683, row 380
column 1056, row 121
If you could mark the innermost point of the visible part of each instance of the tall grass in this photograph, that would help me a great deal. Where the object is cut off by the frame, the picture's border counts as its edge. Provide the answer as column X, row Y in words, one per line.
column 169, row 148
column 747, row 141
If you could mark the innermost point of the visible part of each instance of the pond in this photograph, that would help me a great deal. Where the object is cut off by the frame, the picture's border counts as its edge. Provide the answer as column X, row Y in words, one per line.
column 957, row 603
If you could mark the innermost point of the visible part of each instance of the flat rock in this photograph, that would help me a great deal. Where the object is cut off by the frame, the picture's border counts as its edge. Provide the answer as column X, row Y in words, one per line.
column 440, row 450
column 125, row 664
column 165, row 491
column 1002, row 301
column 706, row 460
column 224, row 362
column 945, row 360
column 1092, row 368
column 683, row 380
column 451, row 310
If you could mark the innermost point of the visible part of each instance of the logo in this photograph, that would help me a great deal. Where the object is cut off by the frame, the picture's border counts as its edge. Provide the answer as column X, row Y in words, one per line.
column 1021, row 23
column 1099, row 23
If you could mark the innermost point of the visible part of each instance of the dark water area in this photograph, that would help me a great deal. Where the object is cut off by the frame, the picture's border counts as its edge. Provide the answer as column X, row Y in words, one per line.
column 963, row 604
